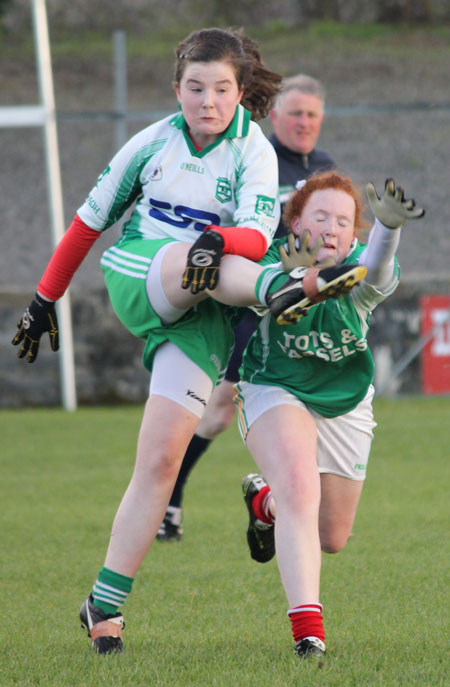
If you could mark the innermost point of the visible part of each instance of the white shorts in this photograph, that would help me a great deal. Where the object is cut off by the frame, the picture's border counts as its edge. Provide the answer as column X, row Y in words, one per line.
column 343, row 442
column 177, row 377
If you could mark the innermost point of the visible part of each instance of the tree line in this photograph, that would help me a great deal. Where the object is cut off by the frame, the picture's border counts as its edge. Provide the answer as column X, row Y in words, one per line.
column 148, row 15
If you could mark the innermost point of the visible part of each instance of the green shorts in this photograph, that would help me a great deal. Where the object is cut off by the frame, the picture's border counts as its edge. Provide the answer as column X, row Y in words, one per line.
column 204, row 333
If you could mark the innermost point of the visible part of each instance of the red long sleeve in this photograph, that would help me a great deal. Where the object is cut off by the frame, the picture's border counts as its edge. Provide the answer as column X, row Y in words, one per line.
column 68, row 256
column 244, row 241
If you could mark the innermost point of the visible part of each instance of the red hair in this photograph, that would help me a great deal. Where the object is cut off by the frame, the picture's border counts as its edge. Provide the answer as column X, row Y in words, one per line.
column 320, row 182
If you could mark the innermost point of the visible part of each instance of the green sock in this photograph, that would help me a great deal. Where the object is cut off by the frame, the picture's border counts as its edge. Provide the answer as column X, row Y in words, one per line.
column 270, row 279
column 111, row 590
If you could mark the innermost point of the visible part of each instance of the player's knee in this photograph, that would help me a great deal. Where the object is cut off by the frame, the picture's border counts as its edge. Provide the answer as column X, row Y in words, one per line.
column 214, row 427
column 158, row 466
column 333, row 542
column 298, row 494
column 224, row 418
column 218, row 417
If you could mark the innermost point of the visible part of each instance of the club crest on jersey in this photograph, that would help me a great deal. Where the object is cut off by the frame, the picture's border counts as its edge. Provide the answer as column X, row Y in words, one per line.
column 103, row 174
column 156, row 175
column 264, row 205
column 223, row 190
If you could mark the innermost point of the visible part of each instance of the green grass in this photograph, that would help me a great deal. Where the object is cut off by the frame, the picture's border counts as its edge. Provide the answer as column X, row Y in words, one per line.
column 275, row 39
column 202, row 613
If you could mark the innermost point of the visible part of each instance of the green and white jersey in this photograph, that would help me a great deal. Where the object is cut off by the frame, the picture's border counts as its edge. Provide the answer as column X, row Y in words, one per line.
column 324, row 359
column 179, row 191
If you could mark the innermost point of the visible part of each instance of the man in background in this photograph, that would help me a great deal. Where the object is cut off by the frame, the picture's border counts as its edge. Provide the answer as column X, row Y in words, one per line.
column 296, row 120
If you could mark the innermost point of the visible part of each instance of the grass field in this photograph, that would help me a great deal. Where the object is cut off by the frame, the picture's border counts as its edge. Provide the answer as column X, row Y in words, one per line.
column 202, row 613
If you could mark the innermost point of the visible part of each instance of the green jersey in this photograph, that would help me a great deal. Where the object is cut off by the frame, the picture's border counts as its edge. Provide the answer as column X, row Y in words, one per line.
column 324, row 359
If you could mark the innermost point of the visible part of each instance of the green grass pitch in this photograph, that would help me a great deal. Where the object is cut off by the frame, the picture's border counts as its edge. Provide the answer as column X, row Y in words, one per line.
column 201, row 612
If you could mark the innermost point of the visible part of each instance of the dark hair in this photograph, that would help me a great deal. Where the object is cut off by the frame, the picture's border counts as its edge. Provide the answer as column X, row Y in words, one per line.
column 261, row 86
column 320, row 182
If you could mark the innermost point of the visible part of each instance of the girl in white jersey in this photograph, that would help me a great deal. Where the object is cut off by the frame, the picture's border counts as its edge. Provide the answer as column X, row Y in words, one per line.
column 305, row 402
column 203, row 183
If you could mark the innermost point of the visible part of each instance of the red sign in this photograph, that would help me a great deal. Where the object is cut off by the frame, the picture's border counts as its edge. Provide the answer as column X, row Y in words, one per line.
column 435, row 317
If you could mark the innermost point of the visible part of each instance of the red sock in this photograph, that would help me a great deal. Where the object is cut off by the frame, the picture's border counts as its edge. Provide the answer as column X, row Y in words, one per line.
column 260, row 503
column 307, row 621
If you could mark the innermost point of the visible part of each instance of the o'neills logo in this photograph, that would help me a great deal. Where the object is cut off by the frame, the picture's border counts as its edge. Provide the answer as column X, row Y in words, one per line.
column 190, row 167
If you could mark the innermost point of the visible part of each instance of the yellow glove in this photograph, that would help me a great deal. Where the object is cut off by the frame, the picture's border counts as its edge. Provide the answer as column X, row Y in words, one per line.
column 392, row 209
column 303, row 256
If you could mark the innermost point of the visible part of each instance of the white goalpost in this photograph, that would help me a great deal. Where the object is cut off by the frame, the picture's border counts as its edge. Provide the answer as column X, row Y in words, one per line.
column 44, row 115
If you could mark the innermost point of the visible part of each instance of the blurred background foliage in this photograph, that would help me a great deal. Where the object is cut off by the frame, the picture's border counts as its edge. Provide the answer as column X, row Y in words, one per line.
column 147, row 16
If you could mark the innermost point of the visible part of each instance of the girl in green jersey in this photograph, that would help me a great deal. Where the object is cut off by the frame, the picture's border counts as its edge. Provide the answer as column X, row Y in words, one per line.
column 304, row 402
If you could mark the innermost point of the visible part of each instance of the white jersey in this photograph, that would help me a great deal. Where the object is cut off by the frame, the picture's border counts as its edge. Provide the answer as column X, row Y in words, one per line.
column 179, row 191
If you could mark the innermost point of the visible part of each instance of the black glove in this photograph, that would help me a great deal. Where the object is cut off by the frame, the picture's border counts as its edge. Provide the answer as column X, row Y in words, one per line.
column 202, row 267
column 39, row 317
